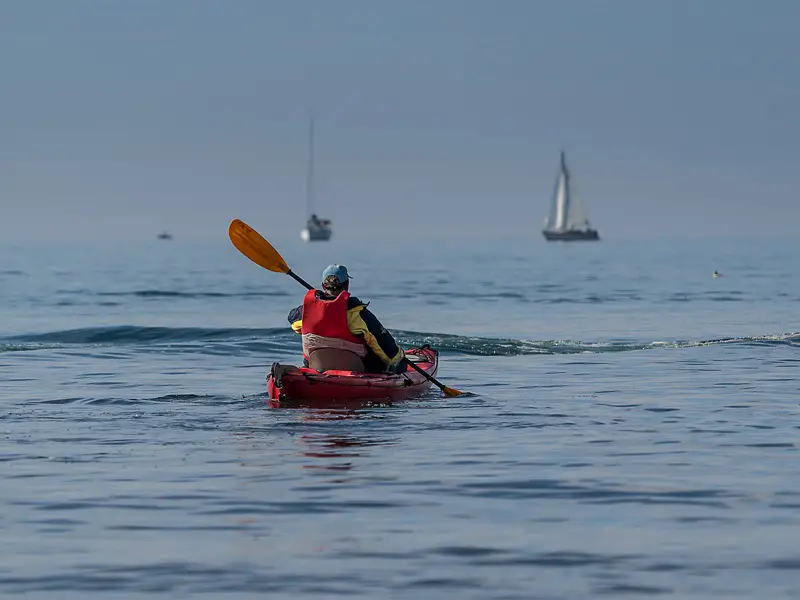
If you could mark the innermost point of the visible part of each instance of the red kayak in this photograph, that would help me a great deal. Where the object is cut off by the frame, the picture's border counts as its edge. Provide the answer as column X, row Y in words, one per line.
column 286, row 383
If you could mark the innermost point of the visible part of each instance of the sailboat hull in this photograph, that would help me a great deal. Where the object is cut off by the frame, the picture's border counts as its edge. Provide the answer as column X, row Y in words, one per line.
column 315, row 235
column 576, row 235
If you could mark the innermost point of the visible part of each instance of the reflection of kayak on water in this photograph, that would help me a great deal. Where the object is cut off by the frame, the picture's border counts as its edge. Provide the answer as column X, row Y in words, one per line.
column 286, row 383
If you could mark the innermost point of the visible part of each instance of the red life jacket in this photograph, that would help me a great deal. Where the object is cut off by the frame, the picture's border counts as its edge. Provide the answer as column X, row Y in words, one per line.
column 325, row 325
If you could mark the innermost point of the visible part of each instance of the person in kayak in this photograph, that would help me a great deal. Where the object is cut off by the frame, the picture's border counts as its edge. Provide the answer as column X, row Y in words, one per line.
column 339, row 331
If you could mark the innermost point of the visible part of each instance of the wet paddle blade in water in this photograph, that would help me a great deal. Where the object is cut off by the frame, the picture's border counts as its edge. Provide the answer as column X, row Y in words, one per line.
column 452, row 393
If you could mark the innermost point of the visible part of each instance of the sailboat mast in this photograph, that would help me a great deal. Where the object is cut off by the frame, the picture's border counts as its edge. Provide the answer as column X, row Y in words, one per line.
column 310, row 173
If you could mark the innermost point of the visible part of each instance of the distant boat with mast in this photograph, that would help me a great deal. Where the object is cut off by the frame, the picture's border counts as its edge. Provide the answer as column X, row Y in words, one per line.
column 316, row 229
column 567, row 221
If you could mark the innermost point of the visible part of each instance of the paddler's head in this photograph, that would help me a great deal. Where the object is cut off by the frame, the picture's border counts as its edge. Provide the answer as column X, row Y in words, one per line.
column 335, row 279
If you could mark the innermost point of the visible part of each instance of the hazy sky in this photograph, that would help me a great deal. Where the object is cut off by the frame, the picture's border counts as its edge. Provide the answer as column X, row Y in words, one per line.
column 124, row 118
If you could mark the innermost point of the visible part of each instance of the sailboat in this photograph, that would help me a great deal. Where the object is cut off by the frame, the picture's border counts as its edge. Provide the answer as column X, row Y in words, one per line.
column 316, row 229
column 567, row 220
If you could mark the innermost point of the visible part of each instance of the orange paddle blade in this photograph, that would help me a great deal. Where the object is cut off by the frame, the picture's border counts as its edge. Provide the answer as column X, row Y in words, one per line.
column 250, row 243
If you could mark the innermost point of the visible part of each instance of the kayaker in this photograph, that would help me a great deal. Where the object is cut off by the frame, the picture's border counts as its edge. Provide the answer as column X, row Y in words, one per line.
column 339, row 332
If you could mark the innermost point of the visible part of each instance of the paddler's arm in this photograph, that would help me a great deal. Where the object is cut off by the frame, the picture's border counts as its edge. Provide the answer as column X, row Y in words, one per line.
column 362, row 322
column 296, row 319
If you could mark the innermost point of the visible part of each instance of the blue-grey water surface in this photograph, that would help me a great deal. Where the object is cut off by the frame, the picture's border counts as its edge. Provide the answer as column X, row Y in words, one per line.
column 633, row 430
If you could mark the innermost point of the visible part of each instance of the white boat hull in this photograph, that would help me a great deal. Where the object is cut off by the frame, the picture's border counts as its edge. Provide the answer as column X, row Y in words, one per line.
column 315, row 235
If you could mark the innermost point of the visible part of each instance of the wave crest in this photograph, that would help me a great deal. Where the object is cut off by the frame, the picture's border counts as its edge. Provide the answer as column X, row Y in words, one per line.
column 285, row 339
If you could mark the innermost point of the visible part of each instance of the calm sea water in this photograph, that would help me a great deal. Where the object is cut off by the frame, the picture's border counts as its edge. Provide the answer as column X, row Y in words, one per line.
column 634, row 428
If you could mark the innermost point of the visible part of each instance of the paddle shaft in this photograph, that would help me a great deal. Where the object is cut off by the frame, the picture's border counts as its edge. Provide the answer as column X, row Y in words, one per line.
column 299, row 279
column 427, row 376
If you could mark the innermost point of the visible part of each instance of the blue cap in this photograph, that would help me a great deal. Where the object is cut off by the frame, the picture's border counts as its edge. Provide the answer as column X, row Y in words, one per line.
column 337, row 271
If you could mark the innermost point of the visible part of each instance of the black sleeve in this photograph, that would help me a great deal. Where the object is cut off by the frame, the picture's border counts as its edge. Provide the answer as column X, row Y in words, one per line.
column 296, row 314
column 382, row 336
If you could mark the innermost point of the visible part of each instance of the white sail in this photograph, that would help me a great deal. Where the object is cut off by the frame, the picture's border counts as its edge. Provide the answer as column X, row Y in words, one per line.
column 576, row 215
column 562, row 202
column 555, row 218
